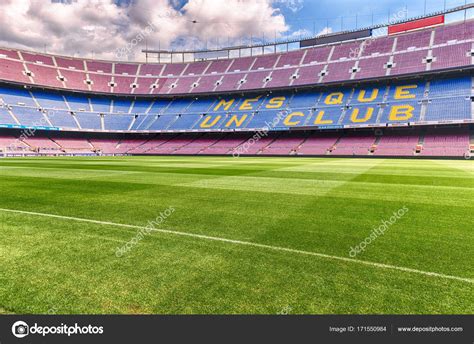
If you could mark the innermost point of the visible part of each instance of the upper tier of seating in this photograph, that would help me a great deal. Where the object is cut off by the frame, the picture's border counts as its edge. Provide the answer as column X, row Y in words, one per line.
column 439, row 48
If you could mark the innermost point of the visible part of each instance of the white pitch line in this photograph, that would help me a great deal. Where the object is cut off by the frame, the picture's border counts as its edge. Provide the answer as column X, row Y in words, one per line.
column 252, row 244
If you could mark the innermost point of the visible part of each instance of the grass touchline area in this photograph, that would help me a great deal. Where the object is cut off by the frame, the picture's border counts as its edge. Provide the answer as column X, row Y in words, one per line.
column 246, row 243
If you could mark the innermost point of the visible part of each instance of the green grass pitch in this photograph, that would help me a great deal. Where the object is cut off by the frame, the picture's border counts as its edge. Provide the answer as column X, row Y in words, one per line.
column 263, row 235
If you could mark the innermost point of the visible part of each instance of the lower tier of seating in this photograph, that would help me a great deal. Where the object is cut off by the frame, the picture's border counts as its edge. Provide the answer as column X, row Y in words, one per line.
column 434, row 142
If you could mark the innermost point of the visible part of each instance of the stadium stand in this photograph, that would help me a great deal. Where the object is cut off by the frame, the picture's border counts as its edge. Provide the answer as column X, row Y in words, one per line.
column 401, row 54
column 439, row 100
column 431, row 142
column 401, row 144
column 446, row 143
column 404, row 94
column 353, row 145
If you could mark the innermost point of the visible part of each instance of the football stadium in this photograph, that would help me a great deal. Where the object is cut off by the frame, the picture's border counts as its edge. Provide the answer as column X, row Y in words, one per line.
column 330, row 174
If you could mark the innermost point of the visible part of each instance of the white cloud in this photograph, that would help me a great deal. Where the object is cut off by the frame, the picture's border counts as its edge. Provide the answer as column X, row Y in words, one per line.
column 293, row 5
column 101, row 26
column 299, row 34
column 325, row 31
column 234, row 18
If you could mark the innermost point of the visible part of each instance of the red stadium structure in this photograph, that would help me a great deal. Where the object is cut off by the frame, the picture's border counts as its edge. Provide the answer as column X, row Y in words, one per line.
column 421, row 52
column 405, row 93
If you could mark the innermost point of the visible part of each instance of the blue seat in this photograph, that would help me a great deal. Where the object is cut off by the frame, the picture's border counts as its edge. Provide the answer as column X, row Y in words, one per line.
column 117, row 122
column 89, row 120
column 448, row 109
column 14, row 96
column 48, row 100
column 62, row 119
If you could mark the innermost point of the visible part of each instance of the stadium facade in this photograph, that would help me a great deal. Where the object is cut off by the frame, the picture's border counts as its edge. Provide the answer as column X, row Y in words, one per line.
column 405, row 93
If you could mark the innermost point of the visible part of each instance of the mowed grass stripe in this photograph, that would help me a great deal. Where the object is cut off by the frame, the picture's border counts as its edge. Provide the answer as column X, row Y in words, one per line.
column 327, row 207
column 166, row 274
column 372, row 173
column 252, row 244
column 252, row 215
